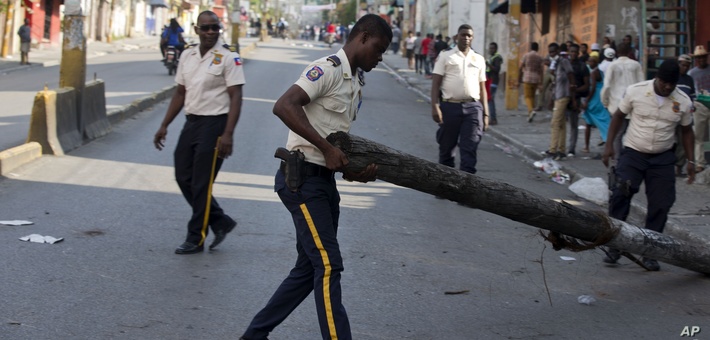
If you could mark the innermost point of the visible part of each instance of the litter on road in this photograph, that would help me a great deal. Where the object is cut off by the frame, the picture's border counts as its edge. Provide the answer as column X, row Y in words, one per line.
column 37, row 238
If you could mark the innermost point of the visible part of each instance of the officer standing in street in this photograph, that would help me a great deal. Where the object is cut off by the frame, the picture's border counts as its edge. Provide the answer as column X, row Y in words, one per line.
column 324, row 100
column 210, row 79
column 654, row 108
column 462, row 108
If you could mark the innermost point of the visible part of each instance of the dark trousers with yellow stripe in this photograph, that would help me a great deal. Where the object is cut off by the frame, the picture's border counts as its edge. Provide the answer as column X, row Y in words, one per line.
column 193, row 164
column 315, row 211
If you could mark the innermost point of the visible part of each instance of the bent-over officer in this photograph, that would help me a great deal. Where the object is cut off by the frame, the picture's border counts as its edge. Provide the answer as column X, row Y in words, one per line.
column 459, row 102
column 654, row 108
column 324, row 100
column 210, row 79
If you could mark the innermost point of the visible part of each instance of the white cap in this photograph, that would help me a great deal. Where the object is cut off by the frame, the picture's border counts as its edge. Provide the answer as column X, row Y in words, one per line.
column 595, row 47
column 609, row 53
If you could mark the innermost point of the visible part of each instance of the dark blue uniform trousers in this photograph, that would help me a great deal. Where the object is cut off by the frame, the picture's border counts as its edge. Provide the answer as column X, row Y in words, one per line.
column 658, row 174
column 193, row 165
column 315, row 211
column 463, row 126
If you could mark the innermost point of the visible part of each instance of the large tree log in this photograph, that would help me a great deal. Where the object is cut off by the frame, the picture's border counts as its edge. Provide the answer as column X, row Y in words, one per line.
column 519, row 205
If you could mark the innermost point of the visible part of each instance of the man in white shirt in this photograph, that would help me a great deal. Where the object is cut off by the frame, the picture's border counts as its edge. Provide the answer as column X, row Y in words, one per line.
column 459, row 101
column 620, row 74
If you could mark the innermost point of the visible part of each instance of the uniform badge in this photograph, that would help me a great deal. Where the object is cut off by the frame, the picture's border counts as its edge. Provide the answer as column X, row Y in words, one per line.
column 676, row 106
column 238, row 61
column 217, row 59
column 314, row 73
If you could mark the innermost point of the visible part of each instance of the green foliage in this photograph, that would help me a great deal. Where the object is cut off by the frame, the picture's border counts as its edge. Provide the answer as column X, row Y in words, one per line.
column 346, row 11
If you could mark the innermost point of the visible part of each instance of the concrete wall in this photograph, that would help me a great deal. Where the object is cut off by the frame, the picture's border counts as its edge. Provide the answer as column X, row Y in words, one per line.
column 471, row 12
column 434, row 16
column 619, row 18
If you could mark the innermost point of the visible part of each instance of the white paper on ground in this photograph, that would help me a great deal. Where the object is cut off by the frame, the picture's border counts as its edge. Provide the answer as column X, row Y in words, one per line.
column 37, row 238
column 16, row 222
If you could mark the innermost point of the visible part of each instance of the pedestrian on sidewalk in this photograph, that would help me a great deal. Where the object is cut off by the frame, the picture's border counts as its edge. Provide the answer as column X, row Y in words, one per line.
column 547, row 95
column 25, row 40
column 396, row 37
column 647, row 155
column 419, row 57
column 564, row 91
column 210, row 79
column 425, row 54
column 325, row 99
column 409, row 44
column 580, row 90
column 595, row 114
column 687, row 85
column 461, row 111
column 621, row 73
column 531, row 69
column 493, row 65
column 701, row 75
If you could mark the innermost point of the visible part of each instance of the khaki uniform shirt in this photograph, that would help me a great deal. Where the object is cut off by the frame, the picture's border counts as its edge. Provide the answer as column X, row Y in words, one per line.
column 462, row 74
column 207, row 77
column 652, row 125
column 335, row 100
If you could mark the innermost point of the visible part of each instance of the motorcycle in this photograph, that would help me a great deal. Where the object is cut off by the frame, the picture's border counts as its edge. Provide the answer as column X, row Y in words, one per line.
column 171, row 59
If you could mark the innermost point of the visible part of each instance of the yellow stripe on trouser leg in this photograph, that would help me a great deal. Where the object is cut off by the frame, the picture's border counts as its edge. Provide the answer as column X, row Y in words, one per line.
column 206, row 221
column 326, row 275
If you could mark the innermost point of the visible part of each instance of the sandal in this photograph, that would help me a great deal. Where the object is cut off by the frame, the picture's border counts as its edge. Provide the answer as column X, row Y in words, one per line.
column 585, row 150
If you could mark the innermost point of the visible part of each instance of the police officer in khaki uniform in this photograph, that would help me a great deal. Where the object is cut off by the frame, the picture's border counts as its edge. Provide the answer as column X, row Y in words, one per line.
column 654, row 109
column 462, row 110
column 325, row 99
column 210, row 79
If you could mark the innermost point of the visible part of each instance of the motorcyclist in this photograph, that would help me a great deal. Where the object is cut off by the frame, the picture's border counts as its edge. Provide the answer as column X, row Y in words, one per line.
column 172, row 36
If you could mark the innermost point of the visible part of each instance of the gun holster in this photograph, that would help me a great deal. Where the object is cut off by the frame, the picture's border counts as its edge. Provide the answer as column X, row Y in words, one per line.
column 293, row 164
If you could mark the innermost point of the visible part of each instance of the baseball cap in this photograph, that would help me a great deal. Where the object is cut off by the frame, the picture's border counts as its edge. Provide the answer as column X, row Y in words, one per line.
column 609, row 53
column 685, row 57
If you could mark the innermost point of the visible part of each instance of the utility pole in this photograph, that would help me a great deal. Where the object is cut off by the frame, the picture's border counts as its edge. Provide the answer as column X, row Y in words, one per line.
column 8, row 28
column 512, row 73
column 405, row 25
column 72, row 69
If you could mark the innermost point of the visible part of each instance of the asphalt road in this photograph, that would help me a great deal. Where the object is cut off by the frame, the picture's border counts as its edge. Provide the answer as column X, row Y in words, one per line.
column 415, row 267
column 128, row 75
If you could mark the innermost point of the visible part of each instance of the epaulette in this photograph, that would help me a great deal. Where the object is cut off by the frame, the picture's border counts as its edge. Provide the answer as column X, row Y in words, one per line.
column 191, row 45
column 334, row 60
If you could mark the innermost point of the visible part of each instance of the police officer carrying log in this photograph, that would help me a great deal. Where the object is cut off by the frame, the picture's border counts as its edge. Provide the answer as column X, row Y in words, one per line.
column 324, row 100
column 655, row 108
column 210, row 79
column 459, row 102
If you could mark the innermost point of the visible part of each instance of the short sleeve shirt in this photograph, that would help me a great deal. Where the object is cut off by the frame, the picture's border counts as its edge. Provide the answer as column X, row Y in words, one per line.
column 562, row 68
column 206, row 79
column 653, row 119
column 335, row 100
column 462, row 74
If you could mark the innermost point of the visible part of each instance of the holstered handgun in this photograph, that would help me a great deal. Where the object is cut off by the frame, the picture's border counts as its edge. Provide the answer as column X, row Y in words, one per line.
column 611, row 177
column 293, row 164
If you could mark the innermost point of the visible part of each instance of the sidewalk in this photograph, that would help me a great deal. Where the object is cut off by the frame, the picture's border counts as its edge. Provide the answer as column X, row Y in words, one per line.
column 51, row 56
column 690, row 215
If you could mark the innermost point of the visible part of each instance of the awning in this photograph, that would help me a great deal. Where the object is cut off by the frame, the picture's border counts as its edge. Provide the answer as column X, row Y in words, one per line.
column 158, row 3
column 501, row 6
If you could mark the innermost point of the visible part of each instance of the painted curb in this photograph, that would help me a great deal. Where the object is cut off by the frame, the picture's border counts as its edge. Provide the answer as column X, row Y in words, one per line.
column 13, row 158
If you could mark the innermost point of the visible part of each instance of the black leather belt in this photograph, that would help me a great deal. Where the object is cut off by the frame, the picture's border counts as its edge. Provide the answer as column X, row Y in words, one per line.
column 193, row 118
column 313, row 170
column 459, row 101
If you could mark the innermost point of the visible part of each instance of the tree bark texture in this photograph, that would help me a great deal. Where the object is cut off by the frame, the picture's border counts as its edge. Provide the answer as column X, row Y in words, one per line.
column 518, row 204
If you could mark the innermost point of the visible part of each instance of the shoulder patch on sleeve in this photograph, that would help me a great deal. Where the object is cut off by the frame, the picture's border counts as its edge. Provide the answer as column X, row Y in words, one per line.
column 238, row 61
column 334, row 60
column 314, row 73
